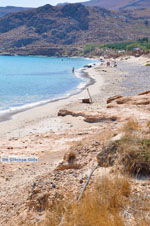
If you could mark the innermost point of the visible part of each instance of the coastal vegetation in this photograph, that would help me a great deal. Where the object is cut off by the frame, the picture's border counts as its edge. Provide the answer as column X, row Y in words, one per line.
column 100, row 206
column 108, row 200
column 141, row 44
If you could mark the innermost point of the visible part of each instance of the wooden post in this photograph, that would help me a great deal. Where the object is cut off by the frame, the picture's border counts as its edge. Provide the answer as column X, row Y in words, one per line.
column 89, row 95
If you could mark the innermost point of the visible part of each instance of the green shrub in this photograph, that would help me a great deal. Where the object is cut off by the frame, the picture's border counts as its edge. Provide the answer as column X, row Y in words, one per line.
column 143, row 44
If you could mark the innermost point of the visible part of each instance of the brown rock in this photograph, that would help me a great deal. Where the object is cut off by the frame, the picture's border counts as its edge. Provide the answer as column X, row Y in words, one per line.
column 110, row 99
column 99, row 118
column 144, row 102
column 144, row 93
column 64, row 112
column 124, row 100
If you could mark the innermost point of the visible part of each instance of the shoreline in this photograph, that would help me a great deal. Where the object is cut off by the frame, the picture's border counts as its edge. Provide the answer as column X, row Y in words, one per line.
column 85, row 82
column 8, row 113
column 40, row 119
column 42, row 134
column 51, row 108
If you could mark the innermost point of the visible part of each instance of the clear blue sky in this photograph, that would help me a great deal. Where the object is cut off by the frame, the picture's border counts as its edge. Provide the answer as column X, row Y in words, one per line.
column 33, row 3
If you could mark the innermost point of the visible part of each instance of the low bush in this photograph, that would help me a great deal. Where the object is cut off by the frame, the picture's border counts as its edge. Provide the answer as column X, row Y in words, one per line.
column 100, row 206
column 135, row 156
column 131, row 125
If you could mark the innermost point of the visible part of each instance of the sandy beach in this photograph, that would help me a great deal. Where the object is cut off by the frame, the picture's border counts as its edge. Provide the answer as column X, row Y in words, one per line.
column 108, row 82
column 39, row 132
column 41, row 117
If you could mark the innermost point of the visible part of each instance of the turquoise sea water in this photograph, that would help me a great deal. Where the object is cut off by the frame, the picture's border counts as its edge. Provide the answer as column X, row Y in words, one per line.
column 27, row 81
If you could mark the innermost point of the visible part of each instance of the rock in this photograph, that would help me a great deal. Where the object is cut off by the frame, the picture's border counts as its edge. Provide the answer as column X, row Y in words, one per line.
column 144, row 102
column 110, row 99
column 53, row 185
column 141, row 99
column 99, row 118
column 123, row 100
column 144, row 93
column 64, row 112
column 111, row 105
column 65, row 166
column 10, row 148
column 81, row 181
column 118, row 137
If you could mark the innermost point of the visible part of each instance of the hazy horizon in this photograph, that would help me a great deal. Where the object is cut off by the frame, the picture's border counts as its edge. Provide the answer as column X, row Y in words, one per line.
column 34, row 3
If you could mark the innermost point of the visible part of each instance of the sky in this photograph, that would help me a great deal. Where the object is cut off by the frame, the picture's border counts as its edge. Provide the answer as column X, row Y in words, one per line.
column 34, row 3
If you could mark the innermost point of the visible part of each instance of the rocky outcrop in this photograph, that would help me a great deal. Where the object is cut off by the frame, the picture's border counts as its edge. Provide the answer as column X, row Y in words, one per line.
column 65, row 112
column 141, row 99
column 146, row 92
column 118, row 109
column 100, row 118
column 97, row 117
column 110, row 99
column 77, row 12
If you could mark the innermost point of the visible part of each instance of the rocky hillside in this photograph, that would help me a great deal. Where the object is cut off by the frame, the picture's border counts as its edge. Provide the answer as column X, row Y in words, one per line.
column 117, row 4
column 10, row 9
column 71, row 24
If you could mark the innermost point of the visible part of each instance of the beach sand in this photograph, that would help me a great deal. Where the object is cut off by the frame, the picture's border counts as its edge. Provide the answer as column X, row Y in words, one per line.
column 40, row 133
column 108, row 82
column 44, row 118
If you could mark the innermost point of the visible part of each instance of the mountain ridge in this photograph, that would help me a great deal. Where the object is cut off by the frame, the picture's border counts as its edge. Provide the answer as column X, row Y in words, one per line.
column 11, row 9
column 118, row 4
column 72, row 24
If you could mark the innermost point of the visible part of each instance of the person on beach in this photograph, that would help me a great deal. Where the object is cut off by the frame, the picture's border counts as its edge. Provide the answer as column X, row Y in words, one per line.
column 108, row 64
column 115, row 64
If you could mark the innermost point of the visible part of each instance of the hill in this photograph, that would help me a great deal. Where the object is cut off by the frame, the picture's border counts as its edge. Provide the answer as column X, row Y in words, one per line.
column 10, row 9
column 72, row 24
column 118, row 4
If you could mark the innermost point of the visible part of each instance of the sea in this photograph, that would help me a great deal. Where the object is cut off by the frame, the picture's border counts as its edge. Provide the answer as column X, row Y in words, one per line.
column 28, row 81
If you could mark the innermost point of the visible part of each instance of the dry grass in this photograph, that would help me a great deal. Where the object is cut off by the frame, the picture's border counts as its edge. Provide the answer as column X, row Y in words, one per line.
column 132, row 152
column 134, row 155
column 111, row 201
column 148, row 124
column 101, row 205
column 131, row 125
